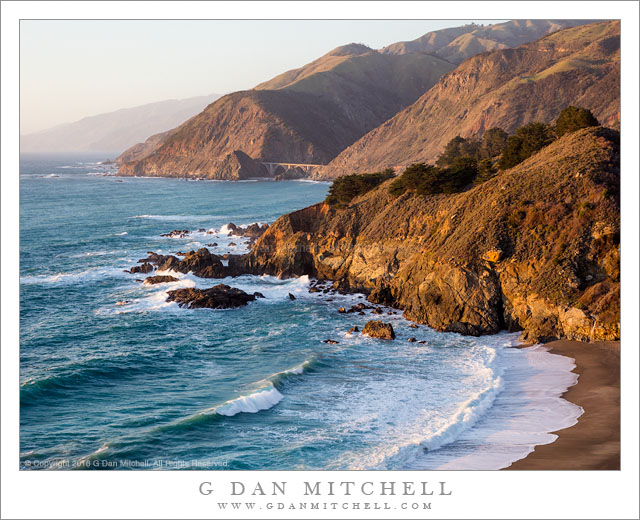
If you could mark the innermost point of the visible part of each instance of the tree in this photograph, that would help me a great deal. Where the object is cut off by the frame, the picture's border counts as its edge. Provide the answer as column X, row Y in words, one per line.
column 411, row 178
column 486, row 170
column 458, row 147
column 527, row 140
column 344, row 189
column 459, row 175
column 494, row 141
column 535, row 136
column 574, row 118
column 426, row 179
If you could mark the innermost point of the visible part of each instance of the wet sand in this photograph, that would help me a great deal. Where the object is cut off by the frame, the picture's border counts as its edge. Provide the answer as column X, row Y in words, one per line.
column 594, row 442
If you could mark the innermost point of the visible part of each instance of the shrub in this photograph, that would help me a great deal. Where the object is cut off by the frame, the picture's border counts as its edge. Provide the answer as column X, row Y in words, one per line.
column 574, row 118
column 345, row 189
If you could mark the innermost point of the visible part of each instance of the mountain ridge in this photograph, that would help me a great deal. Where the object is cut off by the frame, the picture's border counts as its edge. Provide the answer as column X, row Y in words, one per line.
column 307, row 115
column 114, row 132
column 505, row 88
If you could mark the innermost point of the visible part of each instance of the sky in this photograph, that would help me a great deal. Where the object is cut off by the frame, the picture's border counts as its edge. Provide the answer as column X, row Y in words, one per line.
column 70, row 69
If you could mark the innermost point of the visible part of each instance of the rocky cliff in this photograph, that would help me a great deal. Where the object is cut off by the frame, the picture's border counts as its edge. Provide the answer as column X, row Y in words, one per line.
column 536, row 248
column 307, row 115
column 506, row 88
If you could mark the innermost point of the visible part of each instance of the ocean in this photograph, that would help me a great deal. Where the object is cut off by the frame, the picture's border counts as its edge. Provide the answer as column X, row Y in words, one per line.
column 149, row 385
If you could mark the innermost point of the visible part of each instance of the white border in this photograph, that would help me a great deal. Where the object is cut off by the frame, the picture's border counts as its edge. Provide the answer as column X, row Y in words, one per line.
column 175, row 494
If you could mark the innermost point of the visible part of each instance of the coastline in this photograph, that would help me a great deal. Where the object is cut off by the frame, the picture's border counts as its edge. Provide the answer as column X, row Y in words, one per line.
column 593, row 443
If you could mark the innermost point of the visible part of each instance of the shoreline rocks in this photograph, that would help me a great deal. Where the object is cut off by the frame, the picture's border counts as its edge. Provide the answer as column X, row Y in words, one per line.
column 144, row 268
column 153, row 280
column 219, row 296
column 252, row 231
column 176, row 233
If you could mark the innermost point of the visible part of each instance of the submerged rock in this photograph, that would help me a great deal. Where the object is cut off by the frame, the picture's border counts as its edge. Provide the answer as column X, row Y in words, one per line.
column 354, row 329
column 176, row 233
column 378, row 329
column 152, row 280
column 359, row 307
column 331, row 341
column 219, row 296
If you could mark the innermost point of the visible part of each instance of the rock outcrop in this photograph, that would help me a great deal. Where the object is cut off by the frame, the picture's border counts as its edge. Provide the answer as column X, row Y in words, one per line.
column 144, row 268
column 201, row 263
column 379, row 329
column 252, row 231
column 219, row 296
column 536, row 248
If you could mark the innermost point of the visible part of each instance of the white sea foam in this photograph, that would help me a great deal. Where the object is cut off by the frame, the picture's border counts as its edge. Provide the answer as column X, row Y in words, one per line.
column 93, row 253
column 252, row 403
column 523, row 415
column 273, row 288
column 154, row 297
column 196, row 218
column 312, row 181
column 71, row 278
column 101, row 174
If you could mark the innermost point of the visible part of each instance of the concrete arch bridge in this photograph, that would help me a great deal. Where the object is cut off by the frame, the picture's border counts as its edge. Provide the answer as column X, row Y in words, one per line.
column 280, row 167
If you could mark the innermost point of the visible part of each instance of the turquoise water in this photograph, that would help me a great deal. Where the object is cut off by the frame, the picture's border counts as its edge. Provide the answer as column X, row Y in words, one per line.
column 149, row 385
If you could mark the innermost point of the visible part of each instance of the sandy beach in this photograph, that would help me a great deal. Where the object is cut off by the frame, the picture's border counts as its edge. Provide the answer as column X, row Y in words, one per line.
column 594, row 442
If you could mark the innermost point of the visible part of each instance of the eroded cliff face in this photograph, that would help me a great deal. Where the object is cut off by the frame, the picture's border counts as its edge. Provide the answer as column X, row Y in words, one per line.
column 535, row 249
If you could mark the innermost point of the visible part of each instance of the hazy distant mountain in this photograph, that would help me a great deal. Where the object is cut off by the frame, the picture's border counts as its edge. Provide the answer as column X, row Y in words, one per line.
column 306, row 115
column 506, row 88
column 456, row 44
column 114, row 132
